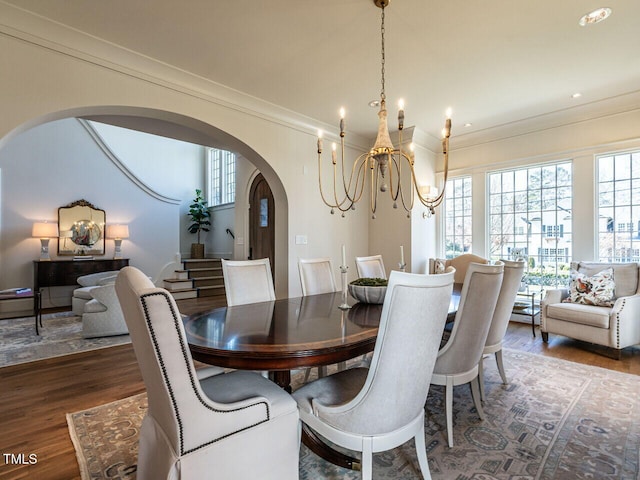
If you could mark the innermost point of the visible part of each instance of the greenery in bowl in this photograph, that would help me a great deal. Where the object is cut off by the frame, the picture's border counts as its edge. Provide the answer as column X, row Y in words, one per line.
column 370, row 282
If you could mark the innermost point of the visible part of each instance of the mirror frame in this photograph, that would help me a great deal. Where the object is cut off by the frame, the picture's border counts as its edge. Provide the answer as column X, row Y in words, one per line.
column 75, row 212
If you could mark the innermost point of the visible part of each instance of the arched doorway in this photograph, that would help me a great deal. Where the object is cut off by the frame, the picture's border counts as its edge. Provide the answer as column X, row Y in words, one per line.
column 261, row 221
column 170, row 125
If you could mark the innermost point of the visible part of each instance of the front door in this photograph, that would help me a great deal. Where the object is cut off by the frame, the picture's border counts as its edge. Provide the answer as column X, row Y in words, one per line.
column 261, row 221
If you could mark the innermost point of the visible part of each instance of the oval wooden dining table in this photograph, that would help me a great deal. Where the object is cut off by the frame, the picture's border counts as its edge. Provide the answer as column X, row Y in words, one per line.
column 288, row 334
column 283, row 335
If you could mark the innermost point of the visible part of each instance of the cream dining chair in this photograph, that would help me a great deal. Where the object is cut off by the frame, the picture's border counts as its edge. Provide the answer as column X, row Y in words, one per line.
column 504, row 307
column 247, row 281
column 457, row 362
column 233, row 425
column 370, row 267
column 379, row 408
column 316, row 276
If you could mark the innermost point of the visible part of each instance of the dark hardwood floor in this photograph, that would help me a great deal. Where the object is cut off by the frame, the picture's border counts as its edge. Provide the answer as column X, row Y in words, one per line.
column 35, row 397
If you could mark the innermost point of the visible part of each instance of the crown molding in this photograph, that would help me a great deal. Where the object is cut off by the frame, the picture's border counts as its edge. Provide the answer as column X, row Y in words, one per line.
column 30, row 28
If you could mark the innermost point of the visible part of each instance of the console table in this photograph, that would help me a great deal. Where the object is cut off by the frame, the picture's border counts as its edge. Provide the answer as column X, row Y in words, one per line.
column 60, row 273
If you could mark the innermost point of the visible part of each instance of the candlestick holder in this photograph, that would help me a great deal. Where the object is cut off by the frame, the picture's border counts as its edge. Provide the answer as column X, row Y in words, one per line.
column 402, row 266
column 343, row 275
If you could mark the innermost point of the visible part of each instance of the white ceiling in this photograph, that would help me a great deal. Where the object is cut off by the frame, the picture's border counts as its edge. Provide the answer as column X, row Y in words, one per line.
column 495, row 62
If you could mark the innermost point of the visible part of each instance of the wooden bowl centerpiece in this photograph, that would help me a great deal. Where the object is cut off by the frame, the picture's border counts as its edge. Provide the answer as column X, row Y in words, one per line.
column 368, row 290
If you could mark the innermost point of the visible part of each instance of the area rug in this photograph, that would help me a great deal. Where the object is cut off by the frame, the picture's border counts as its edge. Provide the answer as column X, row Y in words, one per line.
column 61, row 334
column 555, row 420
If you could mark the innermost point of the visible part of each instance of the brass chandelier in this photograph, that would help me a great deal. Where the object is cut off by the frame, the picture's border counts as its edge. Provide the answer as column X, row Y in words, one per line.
column 383, row 161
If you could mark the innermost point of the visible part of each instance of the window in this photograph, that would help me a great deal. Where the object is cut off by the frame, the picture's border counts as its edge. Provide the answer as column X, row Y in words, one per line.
column 221, row 177
column 457, row 217
column 619, row 207
column 530, row 218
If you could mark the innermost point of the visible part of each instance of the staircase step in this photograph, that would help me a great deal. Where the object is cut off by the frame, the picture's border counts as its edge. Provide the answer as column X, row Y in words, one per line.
column 205, row 272
column 173, row 284
column 184, row 293
column 191, row 263
column 181, row 275
column 208, row 281
column 211, row 291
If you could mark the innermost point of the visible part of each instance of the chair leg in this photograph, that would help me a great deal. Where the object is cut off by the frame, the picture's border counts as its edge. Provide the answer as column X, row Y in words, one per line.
column 475, row 393
column 448, row 400
column 421, row 451
column 367, row 460
column 306, row 375
column 500, row 364
column 545, row 337
column 481, row 377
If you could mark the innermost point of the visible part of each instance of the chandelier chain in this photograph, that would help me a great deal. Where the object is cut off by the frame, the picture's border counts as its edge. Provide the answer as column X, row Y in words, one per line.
column 382, row 94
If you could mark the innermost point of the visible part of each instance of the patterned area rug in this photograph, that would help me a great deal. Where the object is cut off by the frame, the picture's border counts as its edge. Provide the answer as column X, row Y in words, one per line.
column 555, row 420
column 61, row 334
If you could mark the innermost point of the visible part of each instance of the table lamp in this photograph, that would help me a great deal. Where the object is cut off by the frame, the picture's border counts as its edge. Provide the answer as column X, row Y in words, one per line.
column 117, row 232
column 44, row 231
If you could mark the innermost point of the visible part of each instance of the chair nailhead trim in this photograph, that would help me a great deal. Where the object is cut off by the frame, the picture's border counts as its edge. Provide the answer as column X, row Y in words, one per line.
column 187, row 358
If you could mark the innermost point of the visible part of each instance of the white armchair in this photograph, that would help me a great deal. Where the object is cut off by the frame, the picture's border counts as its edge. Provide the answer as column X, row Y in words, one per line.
column 615, row 327
column 82, row 294
column 102, row 315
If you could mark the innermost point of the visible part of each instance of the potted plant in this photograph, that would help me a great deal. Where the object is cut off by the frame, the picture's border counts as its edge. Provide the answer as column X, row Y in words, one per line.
column 199, row 214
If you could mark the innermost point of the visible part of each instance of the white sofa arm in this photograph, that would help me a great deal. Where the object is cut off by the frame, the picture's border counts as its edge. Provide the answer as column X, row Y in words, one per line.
column 551, row 297
column 554, row 296
column 625, row 324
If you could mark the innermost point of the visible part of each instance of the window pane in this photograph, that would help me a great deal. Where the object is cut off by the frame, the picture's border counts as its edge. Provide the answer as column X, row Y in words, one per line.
column 457, row 216
column 221, row 173
column 619, row 207
column 534, row 221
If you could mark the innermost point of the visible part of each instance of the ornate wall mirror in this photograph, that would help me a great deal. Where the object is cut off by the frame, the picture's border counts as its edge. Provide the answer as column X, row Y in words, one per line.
column 81, row 227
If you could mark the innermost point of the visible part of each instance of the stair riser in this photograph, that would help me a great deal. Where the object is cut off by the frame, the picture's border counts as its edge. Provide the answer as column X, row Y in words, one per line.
column 210, row 272
column 211, row 292
column 202, row 264
column 183, row 295
column 209, row 282
column 178, row 285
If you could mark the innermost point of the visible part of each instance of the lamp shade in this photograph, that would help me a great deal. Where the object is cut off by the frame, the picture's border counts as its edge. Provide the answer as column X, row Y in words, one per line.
column 117, row 231
column 44, row 230
column 429, row 191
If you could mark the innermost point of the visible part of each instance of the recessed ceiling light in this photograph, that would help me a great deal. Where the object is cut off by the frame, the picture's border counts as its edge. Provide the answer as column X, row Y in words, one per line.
column 596, row 16
column 576, row 95
column 468, row 124
column 374, row 103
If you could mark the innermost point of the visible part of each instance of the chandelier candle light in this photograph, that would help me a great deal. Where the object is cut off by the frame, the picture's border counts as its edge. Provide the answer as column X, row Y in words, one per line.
column 383, row 160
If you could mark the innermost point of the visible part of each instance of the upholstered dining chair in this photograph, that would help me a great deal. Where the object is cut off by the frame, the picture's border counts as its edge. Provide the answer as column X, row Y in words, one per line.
column 376, row 409
column 316, row 276
column 460, row 263
column 247, row 281
column 513, row 272
column 370, row 267
column 457, row 362
column 237, row 424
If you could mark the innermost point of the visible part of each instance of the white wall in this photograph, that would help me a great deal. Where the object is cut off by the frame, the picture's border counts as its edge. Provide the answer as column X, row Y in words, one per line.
column 56, row 163
column 170, row 167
